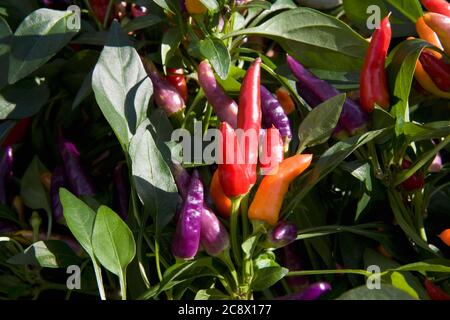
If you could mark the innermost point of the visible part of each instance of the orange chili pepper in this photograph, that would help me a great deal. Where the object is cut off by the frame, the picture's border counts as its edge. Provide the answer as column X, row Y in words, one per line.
column 268, row 199
column 195, row 7
column 427, row 34
column 445, row 236
column 285, row 100
column 221, row 201
column 441, row 25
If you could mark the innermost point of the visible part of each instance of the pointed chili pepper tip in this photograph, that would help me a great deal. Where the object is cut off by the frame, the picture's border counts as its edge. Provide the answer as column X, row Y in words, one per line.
column 445, row 236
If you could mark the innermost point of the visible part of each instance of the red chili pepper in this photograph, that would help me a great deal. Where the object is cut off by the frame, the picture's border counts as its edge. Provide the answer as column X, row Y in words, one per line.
column 438, row 6
column 176, row 78
column 435, row 292
column 100, row 7
column 438, row 70
column 272, row 153
column 17, row 133
column 232, row 171
column 249, row 117
column 416, row 181
column 373, row 84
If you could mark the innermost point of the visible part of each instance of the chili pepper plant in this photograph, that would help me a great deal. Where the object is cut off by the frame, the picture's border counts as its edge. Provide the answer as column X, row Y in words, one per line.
column 346, row 170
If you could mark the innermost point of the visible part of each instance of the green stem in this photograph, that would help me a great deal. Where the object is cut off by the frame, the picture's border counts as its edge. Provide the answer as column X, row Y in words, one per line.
column 419, row 209
column 225, row 258
column 123, row 284
column 244, row 217
column 373, row 156
column 158, row 265
column 99, row 278
column 235, row 203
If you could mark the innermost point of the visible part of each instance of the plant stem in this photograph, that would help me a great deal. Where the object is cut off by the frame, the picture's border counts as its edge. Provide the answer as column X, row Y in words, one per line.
column 98, row 277
column 235, row 203
column 244, row 217
column 123, row 284
column 158, row 265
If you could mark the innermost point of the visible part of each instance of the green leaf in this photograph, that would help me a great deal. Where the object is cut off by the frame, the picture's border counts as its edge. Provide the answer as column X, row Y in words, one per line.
column 23, row 100
column 142, row 23
column 38, row 38
column 112, row 241
column 170, row 42
column 79, row 218
column 211, row 294
column 212, row 5
column 387, row 292
column 154, row 182
column 217, row 53
column 32, row 191
column 84, row 91
column 46, row 254
column 314, row 38
column 428, row 131
column 5, row 39
column 121, row 86
column 319, row 124
column 399, row 281
column 267, row 277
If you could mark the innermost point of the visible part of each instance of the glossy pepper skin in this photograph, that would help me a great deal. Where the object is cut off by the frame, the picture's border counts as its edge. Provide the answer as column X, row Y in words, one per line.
column 225, row 107
column 373, row 81
column 435, row 292
column 122, row 196
column 315, row 91
column 58, row 181
column 438, row 6
column 250, row 116
column 166, row 96
column 213, row 236
column 416, row 181
column 437, row 69
column 176, row 78
column 6, row 163
column 274, row 113
column 138, row 10
column 186, row 241
column 182, row 179
column 312, row 292
column 218, row 196
column 79, row 181
column 232, row 170
column 427, row 34
column 282, row 234
column 272, row 149
column 285, row 100
column 17, row 133
column 445, row 236
column 436, row 165
column 441, row 25
column 269, row 197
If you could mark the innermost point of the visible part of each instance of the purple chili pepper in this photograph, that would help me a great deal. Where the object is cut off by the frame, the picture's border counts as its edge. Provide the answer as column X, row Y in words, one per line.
column 274, row 112
column 225, row 107
column 315, row 91
column 312, row 292
column 282, row 234
column 182, row 6
column 122, row 196
column 58, row 181
column 291, row 260
column 79, row 181
column 436, row 165
column 166, row 96
column 187, row 235
column 214, row 237
column 6, row 163
column 182, row 179
column 57, row 4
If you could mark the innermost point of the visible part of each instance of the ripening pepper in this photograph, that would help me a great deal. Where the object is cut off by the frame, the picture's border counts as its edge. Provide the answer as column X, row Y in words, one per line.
column 438, row 6
column 79, row 181
column 195, row 7
column 249, row 117
column 232, row 170
column 282, row 234
column 269, row 197
column 274, row 113
column 427, row 34
column 187, row 234
column 436, row 165
column 176, row 78
column 445, row 236
column 219, row 198
column 6, row 163
column 373, row 80
column 435, row 292
column 213, row 236
column 416, row 181
column 166, row 95
column 437, row 69
column 312, row 292
column 441, row 25
column 58, row 180
column 272, row 150
column 121, row 191
column 315, row 91
column 285, row 100
column 182, row 179
column 17, row 133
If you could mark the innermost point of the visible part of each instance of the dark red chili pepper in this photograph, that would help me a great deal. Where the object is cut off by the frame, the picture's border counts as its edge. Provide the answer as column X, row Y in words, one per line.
column 249, row 117
column 438, row 6
column 225, row 107
column 312, row 292
column 274, row 113
column 282, row 234
column 121, row 191
column 176, row 78
column 435, row 292
column 58, row 180
column 232, row 171
column 272, row 150
column 100, row 7
column 416, row 181
column 187, row 235
column 57, row 4
column 214, row 236
column 437, row 69
column 373, row 82
column 138, row 10
column 315, row 91
column 17, row 133
column 6, row 163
